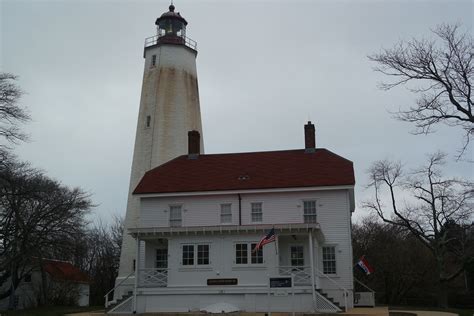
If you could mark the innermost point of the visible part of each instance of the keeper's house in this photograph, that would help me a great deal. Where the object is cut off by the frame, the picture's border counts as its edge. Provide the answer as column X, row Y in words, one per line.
column 201, row 216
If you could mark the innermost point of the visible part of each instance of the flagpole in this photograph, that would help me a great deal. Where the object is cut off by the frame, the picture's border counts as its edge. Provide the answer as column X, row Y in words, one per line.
column 276, row 244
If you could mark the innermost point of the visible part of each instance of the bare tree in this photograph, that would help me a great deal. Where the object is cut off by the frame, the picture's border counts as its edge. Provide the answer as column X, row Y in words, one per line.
column 38, row 217
column 11, row 113
column 426, row 204
column 98, row 254
column 443, row 72
column 106, row 242
column 404, row 268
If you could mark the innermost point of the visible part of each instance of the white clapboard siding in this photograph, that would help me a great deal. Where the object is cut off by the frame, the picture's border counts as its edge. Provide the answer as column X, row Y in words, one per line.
column 334, row 218
column 333, row 215
column 278, row 208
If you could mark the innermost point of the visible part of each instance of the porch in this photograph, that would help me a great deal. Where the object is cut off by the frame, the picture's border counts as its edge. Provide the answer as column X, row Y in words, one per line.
column 202, row 253
column 218, row 260
column 158, row 277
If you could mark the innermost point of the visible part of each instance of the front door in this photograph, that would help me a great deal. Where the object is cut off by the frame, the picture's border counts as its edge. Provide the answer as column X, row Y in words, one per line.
column 161, row 259
column 160, row 275
column 298, row 268
column 297, row 256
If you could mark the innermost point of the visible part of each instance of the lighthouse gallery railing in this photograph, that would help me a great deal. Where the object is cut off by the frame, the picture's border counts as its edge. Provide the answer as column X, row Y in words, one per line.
column 153, row 40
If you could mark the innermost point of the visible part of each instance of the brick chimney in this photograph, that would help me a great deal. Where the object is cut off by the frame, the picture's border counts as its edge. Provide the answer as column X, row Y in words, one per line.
column 194, row 144
column 309, row 138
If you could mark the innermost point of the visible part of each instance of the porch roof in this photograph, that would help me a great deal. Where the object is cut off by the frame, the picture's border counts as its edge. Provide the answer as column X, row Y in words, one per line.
column 144, row 232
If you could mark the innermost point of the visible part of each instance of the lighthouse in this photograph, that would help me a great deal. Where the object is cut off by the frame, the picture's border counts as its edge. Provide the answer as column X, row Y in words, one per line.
column 169, row 108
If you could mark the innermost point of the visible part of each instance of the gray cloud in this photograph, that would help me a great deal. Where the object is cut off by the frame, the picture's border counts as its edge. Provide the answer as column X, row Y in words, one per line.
column 264, row 69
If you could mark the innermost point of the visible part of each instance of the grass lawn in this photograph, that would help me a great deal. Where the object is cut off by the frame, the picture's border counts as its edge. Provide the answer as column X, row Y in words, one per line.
column 460, row 312
column 52, row 311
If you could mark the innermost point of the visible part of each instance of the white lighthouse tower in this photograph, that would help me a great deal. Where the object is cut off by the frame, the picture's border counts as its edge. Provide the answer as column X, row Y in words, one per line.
column 169, row 108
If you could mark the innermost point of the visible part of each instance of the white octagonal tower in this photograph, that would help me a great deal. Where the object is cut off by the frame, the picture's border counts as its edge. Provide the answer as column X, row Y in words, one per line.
column 169, row 108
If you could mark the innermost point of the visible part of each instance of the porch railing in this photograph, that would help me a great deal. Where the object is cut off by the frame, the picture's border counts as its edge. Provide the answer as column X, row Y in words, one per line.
column 301, row 275
column 153, row 277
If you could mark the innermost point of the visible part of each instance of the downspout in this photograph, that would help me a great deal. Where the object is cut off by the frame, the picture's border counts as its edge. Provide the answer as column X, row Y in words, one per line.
column 136, row 276
column 240, row 209
column 311, row 259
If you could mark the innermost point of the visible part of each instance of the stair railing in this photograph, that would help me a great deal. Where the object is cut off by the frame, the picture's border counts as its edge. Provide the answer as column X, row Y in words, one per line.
column 106, row 296
column 368, row 288
column 372, row 292
column 344, row 290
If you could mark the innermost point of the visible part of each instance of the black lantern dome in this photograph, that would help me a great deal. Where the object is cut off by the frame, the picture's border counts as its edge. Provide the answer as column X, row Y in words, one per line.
column 171, row 29
column 171, row 24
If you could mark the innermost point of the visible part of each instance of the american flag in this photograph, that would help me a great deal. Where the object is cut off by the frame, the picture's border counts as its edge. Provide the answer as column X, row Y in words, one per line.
column 268, row 238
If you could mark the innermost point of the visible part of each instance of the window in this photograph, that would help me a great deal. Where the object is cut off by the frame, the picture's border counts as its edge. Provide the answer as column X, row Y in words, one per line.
column 297, row 256
column 257, row 212
column 226, row 213
column 148, row 120
column 244, row 251
column 195, row 254
column 153, row 60
column 188, row 255
column 175, row 216
column 256, row 256
column 203, row 254
column 329, row 260
column 241, row 254
column 161, row 258
column 309, row 211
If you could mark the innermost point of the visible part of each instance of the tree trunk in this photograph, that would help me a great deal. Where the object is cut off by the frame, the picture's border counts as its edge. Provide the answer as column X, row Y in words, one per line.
column 13, row 285
column 442, row 285
column 442, row 294
column 44, row 287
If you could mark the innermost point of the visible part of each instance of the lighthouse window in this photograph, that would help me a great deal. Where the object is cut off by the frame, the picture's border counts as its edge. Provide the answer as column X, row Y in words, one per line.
column 153, row 60
column 148, row 120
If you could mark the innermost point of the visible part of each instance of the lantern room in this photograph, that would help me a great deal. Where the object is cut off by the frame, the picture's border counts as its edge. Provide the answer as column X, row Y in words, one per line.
column 171, row 24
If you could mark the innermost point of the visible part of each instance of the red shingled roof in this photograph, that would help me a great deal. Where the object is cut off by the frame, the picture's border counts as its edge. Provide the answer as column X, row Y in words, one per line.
column 243, row 171
column 64, row 271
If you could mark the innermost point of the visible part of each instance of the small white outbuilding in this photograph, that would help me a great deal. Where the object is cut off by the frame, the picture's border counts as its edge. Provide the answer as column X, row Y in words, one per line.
column 62, row 280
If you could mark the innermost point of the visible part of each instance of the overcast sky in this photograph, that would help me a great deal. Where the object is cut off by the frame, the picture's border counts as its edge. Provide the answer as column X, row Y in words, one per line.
column 264, row 69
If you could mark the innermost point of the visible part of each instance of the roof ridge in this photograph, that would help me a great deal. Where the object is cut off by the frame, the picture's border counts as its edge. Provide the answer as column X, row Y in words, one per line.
column 228, row 154
column 333, row 153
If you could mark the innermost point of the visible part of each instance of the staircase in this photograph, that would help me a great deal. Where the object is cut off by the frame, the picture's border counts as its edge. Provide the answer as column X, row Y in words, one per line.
column 111, row 306
column 119, row 301
column 330, row 299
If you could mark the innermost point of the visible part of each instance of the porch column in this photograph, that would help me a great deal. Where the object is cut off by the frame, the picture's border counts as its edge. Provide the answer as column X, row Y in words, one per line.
column 311, row 260
column 137, row 257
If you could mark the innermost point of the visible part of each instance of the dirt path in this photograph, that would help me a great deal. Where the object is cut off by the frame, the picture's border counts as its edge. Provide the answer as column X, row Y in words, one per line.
column 427, row 313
